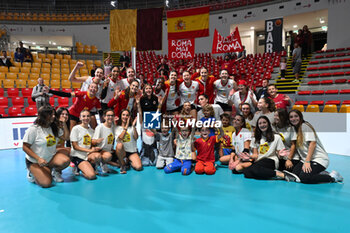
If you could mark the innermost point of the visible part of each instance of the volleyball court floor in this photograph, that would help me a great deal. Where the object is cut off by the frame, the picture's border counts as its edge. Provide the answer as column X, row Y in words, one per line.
column 151, row 201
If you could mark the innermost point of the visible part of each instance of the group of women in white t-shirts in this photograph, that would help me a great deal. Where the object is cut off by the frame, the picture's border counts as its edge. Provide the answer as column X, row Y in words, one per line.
column 266, row 144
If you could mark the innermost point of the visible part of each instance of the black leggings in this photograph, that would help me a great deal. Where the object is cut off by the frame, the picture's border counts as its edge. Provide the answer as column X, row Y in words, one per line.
column 261, row 170
column 314, row 177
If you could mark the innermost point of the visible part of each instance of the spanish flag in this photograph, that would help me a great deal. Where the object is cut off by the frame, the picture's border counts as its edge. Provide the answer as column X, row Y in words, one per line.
column 136, row 28
column 189, row 23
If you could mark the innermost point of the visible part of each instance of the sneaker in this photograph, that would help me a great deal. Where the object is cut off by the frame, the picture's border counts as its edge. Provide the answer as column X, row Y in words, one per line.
column 57, row 177
column 336, row 176
column 105, row 168
column 123, row 170
column 75, row 171
column 291, row 177
column 30, row 177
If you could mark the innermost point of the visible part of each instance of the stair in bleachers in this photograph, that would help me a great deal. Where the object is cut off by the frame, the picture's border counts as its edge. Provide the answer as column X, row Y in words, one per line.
column 287, row 85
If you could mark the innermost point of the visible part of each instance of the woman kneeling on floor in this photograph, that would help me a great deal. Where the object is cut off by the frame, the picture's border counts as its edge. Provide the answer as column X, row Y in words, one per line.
column 39, row 144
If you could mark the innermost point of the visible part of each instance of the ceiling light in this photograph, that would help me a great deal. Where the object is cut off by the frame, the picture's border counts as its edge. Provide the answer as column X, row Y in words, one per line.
column 324, row 28
column 53, row 43
column 113, row 3
column 33, row 43
column 260, row 35
column 295, row 26
column 252, row 28
column 322, row 20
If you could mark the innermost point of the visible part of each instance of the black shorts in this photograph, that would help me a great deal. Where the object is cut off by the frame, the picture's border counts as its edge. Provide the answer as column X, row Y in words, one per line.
column 28, row 163
column 127, row 154
column 74, row 118
column 225, row 107
column 77, row 161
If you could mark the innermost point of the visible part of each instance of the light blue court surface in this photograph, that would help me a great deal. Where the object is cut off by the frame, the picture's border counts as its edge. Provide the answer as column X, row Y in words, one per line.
column 151, row 201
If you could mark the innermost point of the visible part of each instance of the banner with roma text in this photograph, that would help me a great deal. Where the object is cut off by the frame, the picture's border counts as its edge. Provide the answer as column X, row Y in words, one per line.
column 229, row 44
column 181, row 49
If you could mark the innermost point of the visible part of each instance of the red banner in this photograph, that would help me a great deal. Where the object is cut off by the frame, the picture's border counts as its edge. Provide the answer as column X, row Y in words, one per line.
column 229, row 44
column 181, row 49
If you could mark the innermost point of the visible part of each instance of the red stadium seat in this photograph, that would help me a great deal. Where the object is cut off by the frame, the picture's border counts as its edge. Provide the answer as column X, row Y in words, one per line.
column 27, row 92
column 323, row 67
column 346, row 66
column 313, row 82
column 314, row 62
column 15, row 111
column 319, row 56
column 326, row 82
column 4, row 103
column 18, row 101
column 338, row 74
column 341, row 54
column 336, row 60
column 31, row 102
column 329, row 55
column 347, row 73
column 2, row 112
column 12, row 92
column 30, row 111
column 324, row 61
column 325, row 74
column 329, row 50
column 304, row 92
column 346, row 102
column 301, row 102
column 317, row 92
column 2, row 92
column 313, row 75
column 340, row 49
column 331, row 92
column 335, row 67
column 339, row 81
column 52, row 101
column 345, row 91
column 63, row 101
column 317, row 102
column 336, row 102
column 312, row 68
column 346, row 59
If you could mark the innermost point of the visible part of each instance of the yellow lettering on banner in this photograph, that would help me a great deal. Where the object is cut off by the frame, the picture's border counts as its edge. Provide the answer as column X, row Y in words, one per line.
column 193, row 23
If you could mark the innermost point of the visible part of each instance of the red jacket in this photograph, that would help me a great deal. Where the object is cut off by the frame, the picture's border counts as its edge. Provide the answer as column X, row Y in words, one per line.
column 208, row 89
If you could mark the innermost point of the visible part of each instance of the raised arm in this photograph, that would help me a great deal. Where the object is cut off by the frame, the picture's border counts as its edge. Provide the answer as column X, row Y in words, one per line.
column 72, row 77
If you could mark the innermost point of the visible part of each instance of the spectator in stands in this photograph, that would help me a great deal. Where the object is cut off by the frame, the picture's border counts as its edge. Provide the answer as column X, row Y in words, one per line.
column 281, row 100
column 5, row 60
column 28, row 57
column 242, row 55
column 40, row 94
column 19, row 57
column 263, row 91
column 124, row 60
column 21, row 48
column 296, row 63
column 313, row 158
column 307, row 41
column 283, row 67
column 290, row 41
column 299, row 38
column 108, row 64
column 227, row 64
column 163, row 66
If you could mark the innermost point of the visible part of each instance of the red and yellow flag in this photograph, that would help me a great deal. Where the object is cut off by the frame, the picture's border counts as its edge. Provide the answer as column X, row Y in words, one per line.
column 189, row 23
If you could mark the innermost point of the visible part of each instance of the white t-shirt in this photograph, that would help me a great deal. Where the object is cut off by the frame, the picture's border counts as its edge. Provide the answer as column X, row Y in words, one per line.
column 236, row 99
column 172, row 97
column 223, row 91
column 128, row 141
column 268, row 149
column 188, row 94
column 217, row 111
column 249, row 124
column 42, row 141
column 110, row 91
column 124, row 84
column 320, row 155
column 270, row 116
column 287, row 134
column 107, row 134
column 83, row 137
column 238, row 139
